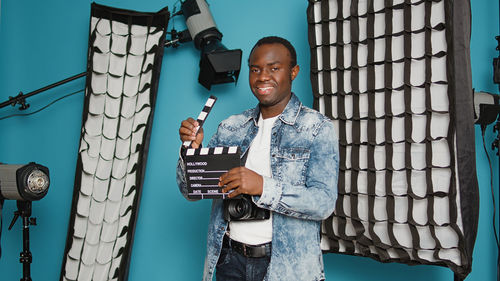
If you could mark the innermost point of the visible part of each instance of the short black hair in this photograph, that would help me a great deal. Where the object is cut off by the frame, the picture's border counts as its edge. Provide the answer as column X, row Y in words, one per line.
column 277, row 40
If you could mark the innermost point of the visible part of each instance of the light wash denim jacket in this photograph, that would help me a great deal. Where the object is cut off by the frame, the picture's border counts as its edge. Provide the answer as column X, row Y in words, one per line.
column 301, row 192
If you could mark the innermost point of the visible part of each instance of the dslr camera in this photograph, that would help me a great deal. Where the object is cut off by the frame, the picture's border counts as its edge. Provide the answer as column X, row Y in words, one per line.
column 243, row 209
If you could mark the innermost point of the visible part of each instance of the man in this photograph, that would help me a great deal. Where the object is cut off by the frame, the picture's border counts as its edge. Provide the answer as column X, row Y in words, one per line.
column 291, row 169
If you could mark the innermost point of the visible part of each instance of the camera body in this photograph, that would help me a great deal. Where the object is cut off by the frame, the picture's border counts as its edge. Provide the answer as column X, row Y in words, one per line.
column 242, row 208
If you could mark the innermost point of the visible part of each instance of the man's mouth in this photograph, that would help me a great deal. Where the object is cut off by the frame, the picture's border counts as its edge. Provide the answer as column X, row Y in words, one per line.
column 264, row 90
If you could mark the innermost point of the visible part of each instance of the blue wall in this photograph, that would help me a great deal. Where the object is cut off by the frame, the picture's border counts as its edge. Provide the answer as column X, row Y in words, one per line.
column 45, row 41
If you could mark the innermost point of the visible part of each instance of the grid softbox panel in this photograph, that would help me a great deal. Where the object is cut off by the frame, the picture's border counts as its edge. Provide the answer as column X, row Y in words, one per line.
column 395, row 78
column 124, row 61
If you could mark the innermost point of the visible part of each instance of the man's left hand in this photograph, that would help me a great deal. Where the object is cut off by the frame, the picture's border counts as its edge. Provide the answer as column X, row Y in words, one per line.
column 242, row 181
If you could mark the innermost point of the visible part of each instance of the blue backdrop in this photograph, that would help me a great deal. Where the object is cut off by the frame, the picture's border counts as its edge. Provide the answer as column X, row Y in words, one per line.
column 42, row 42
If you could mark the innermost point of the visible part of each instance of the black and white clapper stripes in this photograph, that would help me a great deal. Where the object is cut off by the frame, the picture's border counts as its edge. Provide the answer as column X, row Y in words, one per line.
column 204, row 166
column 212, row 150
column 203, row 115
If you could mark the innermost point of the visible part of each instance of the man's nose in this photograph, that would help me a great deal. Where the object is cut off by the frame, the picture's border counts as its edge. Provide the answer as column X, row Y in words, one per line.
column 264, row 75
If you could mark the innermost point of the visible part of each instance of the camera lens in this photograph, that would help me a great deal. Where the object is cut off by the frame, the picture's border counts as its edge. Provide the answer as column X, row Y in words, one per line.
column 240, row 209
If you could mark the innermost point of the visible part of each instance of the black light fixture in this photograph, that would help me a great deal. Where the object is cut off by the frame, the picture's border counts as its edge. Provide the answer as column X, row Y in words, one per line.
column 218, row 65
column 24, row 182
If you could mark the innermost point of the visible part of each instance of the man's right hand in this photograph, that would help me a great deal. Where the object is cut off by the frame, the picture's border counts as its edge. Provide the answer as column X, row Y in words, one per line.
column 187, row 132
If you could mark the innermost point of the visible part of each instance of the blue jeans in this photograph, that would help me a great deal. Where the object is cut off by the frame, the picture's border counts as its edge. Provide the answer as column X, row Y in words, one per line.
column 233, row 266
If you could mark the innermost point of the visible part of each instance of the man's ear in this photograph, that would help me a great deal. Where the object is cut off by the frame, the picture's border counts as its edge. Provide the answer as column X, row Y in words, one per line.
column 295, row 71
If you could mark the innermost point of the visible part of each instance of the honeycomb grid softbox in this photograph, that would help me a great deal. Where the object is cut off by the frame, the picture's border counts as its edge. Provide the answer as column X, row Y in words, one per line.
column 395, row 78
column 124, row 61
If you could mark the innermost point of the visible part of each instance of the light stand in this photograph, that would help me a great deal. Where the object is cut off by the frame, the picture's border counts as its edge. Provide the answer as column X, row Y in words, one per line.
column 496, row 145
column 489, row 113
column 24, row 183
column 487, row 110
column 496, row 128
column 24, row 211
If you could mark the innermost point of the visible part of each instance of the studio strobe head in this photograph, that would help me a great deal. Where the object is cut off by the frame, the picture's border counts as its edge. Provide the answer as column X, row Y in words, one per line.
column 24, row 182
column 218, row 65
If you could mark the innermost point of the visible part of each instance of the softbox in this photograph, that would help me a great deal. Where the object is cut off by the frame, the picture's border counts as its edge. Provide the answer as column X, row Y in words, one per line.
column 124, row 61
column 395, row 78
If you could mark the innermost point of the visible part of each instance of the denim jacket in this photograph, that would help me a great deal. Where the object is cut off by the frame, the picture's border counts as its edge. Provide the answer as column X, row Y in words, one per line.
column 301, row 192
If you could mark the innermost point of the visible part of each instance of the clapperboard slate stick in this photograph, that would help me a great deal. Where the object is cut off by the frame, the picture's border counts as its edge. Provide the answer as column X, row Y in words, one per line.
column 204, row 166
column 202, row 117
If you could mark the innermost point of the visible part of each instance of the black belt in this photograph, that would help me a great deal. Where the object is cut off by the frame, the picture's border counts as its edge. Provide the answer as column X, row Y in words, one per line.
column 249, row 251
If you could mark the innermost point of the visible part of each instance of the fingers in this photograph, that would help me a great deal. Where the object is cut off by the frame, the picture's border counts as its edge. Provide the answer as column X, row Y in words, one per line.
column 230, row 185
column 235, row 193
column 241, row 181
column 234, row 188
column 188, row 127
column 188, row 132
column 199, row 136
column 229, row 182
column 231, row 179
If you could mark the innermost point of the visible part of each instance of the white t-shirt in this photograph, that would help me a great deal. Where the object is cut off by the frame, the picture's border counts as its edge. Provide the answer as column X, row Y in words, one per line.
column 258, row 160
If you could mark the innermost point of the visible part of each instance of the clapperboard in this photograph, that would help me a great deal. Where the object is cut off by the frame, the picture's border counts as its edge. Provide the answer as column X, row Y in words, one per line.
column 204, row 166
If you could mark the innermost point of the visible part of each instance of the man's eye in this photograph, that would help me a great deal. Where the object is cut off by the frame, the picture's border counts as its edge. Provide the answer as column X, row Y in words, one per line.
column 275, row 68
column 254, row 70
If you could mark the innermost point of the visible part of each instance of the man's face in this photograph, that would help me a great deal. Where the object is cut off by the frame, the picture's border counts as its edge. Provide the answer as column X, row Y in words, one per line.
column 271, row 77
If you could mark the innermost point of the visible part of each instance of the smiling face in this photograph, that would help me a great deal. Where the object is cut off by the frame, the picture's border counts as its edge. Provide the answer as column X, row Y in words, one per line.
column 271, row 76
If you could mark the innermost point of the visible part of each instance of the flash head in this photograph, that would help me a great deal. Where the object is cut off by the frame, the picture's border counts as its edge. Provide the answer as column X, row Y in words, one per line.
column 24, row 182
column 486, row 108
column 218, row 65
